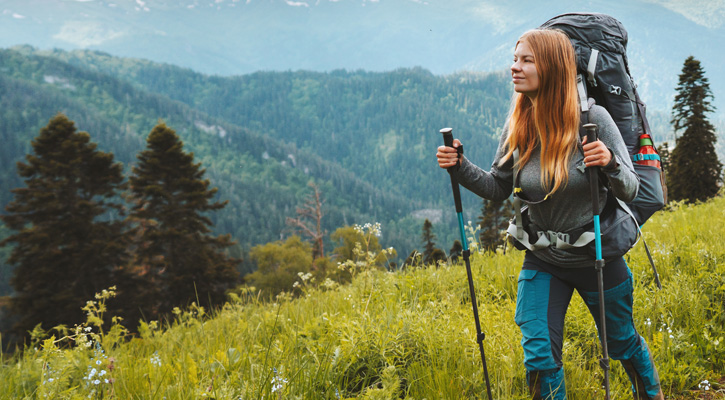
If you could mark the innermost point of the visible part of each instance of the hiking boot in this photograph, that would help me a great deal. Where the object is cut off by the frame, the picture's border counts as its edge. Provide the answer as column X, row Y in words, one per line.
column 546, row 385
column 534, row 385
column 639, row 389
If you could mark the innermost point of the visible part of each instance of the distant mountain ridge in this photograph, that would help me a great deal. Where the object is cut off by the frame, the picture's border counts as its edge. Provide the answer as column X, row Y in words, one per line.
column 233, row 37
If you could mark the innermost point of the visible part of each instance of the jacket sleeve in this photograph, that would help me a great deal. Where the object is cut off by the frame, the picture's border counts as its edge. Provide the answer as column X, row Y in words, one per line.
column 496, row 184
column 623, row 181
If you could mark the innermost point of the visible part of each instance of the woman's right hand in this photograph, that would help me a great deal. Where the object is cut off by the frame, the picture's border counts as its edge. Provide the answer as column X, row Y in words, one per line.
column 448, row 156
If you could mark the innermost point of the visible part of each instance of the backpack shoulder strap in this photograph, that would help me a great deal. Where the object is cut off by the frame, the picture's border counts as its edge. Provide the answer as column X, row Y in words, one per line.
column 583, row 106
column 582, row 90
column 517, row 201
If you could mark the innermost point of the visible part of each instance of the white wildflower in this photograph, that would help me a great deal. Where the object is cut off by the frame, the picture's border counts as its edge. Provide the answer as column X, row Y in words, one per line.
column 155, row 359
column 277, row 382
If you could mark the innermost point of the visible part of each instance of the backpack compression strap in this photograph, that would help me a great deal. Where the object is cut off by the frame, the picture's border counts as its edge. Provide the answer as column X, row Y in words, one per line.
column 591, row 67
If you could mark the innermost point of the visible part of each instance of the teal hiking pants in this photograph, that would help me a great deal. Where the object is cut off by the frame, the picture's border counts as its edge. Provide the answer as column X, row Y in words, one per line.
column 544, row 293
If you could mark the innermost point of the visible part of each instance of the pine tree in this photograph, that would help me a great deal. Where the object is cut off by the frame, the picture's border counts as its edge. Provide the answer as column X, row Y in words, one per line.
column 69, row 241
column 664, row 151
column 431, row 254
column 414, row 260
column 456, row 251
column 174, row 246
column 493, row 221
column 695, row 173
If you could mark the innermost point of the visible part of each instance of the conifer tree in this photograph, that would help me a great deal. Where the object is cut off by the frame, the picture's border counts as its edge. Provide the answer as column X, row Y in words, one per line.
column 414, row 260
column 664, row 150
column 174, row 246
column 493, row 221
column 431, row 254
column 695, row 173
column 456, row 251
column 69, row 242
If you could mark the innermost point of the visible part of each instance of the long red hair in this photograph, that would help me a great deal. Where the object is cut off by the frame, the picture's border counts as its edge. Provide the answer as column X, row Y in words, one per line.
column 552, row 121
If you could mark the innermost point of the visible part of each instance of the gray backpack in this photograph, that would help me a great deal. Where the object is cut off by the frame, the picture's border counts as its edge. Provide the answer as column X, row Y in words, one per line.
column 600, row 42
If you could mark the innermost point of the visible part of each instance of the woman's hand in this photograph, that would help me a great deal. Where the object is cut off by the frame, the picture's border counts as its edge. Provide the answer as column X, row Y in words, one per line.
column 596, row 154
column 448, row 156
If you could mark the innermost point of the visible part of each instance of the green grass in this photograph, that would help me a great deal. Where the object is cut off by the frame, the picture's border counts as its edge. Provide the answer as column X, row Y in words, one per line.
column 400, row 335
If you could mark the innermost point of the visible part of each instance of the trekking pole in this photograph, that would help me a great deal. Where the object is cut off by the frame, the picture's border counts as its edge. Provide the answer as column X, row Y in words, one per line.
column 599, row 261
column 448, row 141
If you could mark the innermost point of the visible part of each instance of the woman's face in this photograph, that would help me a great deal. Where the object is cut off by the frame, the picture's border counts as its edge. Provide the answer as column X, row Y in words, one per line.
column 523, row 71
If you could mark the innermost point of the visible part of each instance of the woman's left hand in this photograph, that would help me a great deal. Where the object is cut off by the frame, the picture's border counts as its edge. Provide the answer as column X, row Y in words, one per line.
column 596, row 154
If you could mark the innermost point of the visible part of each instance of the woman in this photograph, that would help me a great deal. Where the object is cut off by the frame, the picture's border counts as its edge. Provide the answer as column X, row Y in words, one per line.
column 544, row 127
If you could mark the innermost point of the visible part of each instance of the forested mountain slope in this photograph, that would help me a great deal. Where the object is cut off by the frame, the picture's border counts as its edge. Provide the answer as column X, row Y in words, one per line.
column 371, row 123
column 365, row 138
column 263, row 178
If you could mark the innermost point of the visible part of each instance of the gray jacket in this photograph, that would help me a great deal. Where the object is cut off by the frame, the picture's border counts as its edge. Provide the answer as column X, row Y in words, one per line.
column 569, row 207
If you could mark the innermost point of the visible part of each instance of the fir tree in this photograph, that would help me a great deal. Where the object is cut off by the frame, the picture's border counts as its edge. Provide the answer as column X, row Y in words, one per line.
column 695, row 173
column 68, row 241
column 664, row 151
column 493, row 221
column 414, row 260
column 437, row 256
column 431, row 254
column 456, row 251
column 174, row 246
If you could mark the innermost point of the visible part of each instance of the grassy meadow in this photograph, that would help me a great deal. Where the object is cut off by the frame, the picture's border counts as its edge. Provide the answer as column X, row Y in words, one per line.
column 391, row 335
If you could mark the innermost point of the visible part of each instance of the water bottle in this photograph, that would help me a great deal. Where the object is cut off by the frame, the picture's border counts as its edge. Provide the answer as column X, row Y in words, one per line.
column 647, row 155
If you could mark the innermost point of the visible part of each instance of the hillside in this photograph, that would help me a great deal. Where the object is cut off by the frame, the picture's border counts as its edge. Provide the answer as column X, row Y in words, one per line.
column 371, row 123
column 366, row 139
column 263, row 178
column 402, row 335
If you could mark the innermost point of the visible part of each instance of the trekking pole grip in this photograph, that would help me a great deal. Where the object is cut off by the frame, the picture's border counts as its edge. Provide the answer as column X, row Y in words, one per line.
column 591, row 130
column 448, row 142
column 447, row 136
